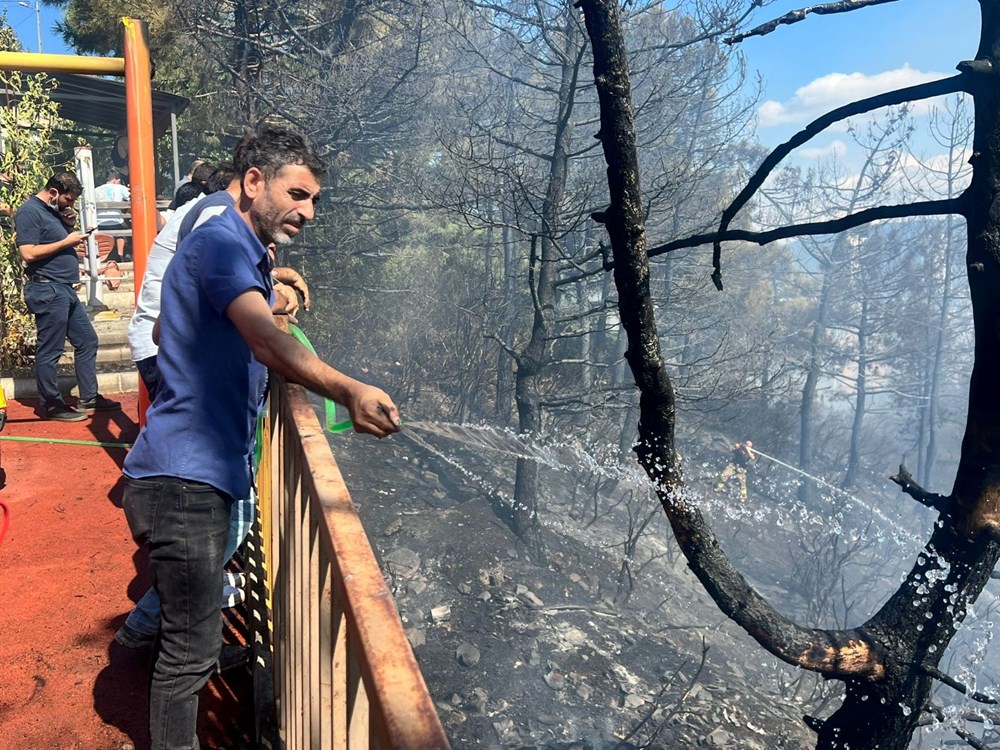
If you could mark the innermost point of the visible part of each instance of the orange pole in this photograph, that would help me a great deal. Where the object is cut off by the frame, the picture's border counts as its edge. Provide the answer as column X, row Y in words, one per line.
column 141, row 156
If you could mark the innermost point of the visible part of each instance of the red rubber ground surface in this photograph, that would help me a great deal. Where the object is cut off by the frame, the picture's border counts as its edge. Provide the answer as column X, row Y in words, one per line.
column 69, row 572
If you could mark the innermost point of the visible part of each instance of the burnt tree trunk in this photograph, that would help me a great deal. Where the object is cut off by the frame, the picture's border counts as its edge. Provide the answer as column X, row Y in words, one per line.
column 813, row 373
column 535, row 358
column 888, row 664
column 247, row 61
column 860, row 399
column 936, row 366
column 505, row 363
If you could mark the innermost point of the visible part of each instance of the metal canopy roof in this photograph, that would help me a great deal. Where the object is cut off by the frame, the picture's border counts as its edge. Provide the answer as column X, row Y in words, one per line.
column 100, row 102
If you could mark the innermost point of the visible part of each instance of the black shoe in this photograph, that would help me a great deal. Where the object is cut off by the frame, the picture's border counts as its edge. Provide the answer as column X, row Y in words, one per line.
column 129, row 637
column 64, row 413
column 97, row 403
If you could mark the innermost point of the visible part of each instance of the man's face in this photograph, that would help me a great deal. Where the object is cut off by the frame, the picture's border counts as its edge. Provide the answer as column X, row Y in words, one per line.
column 59, row 201
column 283, row 204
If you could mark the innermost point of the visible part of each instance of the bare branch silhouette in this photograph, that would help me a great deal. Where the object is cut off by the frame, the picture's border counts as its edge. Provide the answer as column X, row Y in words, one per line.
column 795, row 16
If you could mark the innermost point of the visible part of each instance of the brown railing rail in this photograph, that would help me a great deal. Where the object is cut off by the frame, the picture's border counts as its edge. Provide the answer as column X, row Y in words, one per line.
column 344, row 673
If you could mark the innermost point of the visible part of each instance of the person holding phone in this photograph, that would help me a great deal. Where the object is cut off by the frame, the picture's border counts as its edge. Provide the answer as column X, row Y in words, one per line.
column 48, row 249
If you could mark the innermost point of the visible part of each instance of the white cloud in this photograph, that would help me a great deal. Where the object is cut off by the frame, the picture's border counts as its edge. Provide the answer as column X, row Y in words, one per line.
column 835, row 149
column 836, row 89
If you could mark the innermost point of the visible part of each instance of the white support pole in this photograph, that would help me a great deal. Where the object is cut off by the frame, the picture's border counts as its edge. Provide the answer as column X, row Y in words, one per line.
column 88, row 221
column 177, row 159
column 38, row 24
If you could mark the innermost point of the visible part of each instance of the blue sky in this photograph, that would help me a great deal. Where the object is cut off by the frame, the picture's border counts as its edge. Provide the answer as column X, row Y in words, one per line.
column 825, row 61
column 23, row 22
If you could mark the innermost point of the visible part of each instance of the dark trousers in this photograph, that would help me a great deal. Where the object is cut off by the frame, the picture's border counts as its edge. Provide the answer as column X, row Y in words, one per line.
column 59, row 315
column 150, row 375
column 185, row 526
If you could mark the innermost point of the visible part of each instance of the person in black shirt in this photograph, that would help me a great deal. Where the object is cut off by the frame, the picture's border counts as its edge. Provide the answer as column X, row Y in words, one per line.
column 49, row 252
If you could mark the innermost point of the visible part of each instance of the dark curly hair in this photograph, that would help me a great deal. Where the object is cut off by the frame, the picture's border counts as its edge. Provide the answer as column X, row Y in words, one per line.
column 65, row 182
column 272, row 147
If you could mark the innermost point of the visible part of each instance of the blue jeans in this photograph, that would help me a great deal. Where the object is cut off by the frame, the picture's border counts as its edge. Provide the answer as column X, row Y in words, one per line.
column 59, row 315
column 184, row 525
column 145, row 616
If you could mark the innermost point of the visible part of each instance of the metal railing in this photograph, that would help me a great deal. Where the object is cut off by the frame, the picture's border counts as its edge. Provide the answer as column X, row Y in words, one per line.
column 344, row 673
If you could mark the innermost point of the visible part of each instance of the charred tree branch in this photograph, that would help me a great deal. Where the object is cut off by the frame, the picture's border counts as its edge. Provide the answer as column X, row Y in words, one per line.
column 624, row 742
column 971, row 739
column 926, row 208
column 951, row 682
column 932, row 500
column 910, row 93
column 849, row 654
column 981, row 67
column 514, row 354
column 795, row 16
column 899, row 96
column 714, row 33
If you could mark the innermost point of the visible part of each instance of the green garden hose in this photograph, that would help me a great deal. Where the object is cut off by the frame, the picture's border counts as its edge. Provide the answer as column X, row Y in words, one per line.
column 332, row 425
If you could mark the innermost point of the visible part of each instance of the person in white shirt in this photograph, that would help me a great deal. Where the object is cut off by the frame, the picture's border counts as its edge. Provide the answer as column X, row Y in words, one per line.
column 113, row 191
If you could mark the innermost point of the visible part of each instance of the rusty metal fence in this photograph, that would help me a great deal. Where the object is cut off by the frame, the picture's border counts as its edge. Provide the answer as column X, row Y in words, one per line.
column 325, row 625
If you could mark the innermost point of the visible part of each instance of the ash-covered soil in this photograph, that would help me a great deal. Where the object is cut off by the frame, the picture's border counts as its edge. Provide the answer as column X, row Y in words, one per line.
column 560, row 654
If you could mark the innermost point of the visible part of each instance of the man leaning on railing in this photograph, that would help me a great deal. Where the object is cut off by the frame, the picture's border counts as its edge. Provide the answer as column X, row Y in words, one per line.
column 217, row 339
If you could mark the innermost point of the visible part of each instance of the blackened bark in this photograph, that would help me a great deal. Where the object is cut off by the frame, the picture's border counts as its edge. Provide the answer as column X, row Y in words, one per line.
column 837, row 653
column 624, row 224
column 860, row 398
column 843, row 6
column 536, row 356
column 813, row 372
column 246, row 63
column 888, row 663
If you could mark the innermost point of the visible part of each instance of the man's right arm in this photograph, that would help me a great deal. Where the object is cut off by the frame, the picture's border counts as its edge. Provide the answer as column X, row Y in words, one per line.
column 31, row 253
column 371, row 409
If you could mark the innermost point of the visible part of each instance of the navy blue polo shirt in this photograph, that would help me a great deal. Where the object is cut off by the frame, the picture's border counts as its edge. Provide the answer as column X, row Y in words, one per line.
column 37, row 224
column 203, row 421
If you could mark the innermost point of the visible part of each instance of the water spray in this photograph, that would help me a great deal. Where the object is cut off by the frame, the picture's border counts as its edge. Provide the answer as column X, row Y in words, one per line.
column 524, row 451
column 848, row 496
column 803, row 473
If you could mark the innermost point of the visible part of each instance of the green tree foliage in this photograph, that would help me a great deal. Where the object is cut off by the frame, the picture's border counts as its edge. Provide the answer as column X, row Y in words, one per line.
column 26, row 128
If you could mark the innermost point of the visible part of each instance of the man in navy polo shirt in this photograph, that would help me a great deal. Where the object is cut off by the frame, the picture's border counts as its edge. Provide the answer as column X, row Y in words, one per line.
column 217, row 339
column 49, row 250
